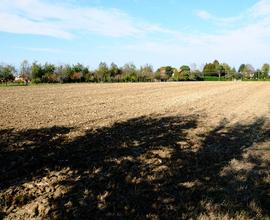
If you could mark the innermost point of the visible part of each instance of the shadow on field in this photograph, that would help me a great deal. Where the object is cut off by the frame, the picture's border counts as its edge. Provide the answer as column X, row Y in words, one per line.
column 148, row 167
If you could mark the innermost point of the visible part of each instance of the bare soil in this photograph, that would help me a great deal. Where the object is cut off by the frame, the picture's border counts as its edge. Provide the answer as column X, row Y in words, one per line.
column 135, row 151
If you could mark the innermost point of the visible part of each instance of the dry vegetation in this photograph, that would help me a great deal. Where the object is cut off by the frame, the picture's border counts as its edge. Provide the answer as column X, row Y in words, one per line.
column 135, row 151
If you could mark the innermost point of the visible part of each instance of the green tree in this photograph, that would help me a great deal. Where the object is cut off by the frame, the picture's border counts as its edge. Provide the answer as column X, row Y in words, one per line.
column 219, row 69
column 235, row 74
column 103, row 73
column 7, row 73
column 36, row 72
column 164, row 73
column 198, row 75
column 169, row 71
column 226, row 70
column 48, row 73
column 90, row 76
column 265, row 70
column 241, row 68
column 184, row 72
column 248, row 71
column 78, row 72
column 214, row 69
column 210, row 70
column 129, row 71
column 115, row 72
column 85, row 73
column 257, row 74
column 78, row 68
column 66, row 73
column 146, row 73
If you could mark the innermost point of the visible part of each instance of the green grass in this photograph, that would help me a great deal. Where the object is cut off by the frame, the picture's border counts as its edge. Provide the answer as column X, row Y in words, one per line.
column 214, row 78
column 11, row 84
column 262, row 80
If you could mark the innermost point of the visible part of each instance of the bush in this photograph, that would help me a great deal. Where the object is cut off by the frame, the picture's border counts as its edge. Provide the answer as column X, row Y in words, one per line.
column 214, row 78
column 36, row 81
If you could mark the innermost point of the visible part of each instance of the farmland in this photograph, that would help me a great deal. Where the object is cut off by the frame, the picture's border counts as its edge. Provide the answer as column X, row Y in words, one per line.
column 135, row 150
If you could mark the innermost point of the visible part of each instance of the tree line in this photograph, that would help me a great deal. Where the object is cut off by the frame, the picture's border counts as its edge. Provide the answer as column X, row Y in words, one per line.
column 50, row 73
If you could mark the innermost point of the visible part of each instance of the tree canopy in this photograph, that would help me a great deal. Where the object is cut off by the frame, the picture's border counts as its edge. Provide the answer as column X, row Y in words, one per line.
column 51, row 73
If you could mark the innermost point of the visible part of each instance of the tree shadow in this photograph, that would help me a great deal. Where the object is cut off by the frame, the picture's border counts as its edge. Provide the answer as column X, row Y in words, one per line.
column 147, row 167
column 29, row 154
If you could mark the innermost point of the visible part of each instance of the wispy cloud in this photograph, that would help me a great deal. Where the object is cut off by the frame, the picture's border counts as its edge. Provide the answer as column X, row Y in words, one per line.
column 240, row 38
column 261, row 8
column 204, row 15
column 259, row 13
column 220, row 21
column 64, row 20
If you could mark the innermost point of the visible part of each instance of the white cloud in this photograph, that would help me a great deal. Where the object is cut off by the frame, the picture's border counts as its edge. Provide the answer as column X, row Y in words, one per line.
column 241, row 38
column 63, row 20
column 204, row 15
column 246, row 42
column 220, row 21
column 17, row 24
column 261, row 8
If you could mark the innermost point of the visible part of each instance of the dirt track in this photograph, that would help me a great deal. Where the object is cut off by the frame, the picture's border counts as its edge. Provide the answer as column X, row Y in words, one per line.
column 158, row 150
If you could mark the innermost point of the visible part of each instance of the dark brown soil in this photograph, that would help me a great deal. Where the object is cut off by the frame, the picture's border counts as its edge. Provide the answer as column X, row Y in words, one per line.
column 135, row 151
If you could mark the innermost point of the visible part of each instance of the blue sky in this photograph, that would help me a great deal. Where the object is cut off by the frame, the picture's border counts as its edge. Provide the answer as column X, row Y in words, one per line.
column 158, row 32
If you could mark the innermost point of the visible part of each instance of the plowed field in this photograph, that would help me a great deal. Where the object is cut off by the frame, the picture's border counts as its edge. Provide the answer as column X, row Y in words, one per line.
column 135, row 151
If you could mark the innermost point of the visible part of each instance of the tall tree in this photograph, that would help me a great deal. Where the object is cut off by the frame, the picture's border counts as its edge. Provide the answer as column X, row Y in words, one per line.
column 211, row 69
column 36, row 72
column 115, row 72
column 265, row 70
column 248, row 71
column 241, row 68
column 146, row 73
column 226, row 69
column 25, row 70
column 7, row 73
column 129, row 71
column 184, row 72
column 78, row 72
column 49, row 73
column 103, row 73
